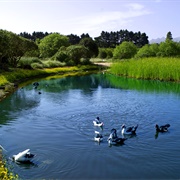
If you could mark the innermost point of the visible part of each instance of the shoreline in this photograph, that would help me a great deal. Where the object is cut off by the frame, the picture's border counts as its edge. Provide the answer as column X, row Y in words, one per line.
column 7, row 89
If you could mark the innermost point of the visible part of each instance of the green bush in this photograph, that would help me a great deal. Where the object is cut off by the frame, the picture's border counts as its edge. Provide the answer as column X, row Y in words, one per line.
column 52, row 64
column 61, row 56
column 125, row 50
column 102, row 53
column 85, row 61
column 37, row 66
column 26, row 62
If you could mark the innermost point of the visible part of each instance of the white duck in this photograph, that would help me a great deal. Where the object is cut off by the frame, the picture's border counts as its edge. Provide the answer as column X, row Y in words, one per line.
column 24, row 156
column 97, row 122
column 129, row 131
column 98, row 136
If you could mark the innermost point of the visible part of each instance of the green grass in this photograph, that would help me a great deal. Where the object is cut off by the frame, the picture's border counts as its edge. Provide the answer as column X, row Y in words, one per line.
column 164, row 69
column 20, row 75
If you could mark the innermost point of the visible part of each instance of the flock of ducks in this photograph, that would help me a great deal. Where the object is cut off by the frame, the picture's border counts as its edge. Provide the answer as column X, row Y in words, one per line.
column 114, row 139
column 25, row 156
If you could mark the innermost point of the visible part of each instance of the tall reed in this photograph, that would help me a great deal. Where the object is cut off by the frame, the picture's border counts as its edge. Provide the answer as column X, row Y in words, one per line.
column 165, row 69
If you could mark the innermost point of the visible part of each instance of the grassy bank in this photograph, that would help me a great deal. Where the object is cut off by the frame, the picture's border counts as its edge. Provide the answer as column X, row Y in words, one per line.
column 19, row 75
column 164, row 69
column 9, row 80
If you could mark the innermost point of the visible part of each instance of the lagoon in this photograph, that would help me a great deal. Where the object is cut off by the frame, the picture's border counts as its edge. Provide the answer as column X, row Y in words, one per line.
column 57, row 125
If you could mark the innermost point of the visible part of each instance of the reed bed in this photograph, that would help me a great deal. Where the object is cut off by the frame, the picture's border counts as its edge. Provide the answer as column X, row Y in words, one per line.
column 164, row 69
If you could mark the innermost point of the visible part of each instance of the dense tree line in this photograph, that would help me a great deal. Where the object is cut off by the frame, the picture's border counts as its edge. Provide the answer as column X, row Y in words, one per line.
column 34, row 36
column 112, row 39
column 105, row 40
column 74, row 50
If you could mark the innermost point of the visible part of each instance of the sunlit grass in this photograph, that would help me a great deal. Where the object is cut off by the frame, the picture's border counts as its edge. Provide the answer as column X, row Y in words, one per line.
column 164, row 69
column 19, row 75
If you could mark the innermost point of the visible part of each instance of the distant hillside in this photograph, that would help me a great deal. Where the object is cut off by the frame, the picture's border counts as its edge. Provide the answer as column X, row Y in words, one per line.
column 158, row 40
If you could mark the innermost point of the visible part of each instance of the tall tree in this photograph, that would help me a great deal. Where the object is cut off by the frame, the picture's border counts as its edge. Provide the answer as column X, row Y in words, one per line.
column 13, row 47
column 113, row 39
column 169, row 36
column 73, row 39
column 50, row 44
column 91, row 46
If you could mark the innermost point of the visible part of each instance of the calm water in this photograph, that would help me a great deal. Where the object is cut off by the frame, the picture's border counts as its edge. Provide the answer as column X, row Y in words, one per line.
column 57, row 126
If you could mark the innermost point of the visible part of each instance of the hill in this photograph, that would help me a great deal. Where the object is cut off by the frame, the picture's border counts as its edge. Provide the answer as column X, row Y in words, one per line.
column 158, row 40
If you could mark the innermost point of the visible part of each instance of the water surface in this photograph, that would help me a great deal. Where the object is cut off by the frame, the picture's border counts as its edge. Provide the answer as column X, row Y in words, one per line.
column 57, row 126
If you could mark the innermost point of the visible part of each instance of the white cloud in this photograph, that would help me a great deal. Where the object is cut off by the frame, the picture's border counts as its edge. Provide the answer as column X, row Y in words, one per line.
column 108, row 20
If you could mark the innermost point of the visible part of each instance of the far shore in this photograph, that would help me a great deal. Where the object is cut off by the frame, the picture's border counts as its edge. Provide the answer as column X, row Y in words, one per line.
column 12, row 86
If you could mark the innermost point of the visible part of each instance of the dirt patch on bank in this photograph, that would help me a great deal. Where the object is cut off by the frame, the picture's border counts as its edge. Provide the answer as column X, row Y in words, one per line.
column 107, row 64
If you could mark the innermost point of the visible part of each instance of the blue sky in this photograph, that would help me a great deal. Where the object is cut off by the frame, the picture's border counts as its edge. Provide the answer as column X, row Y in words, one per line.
column 153, row 17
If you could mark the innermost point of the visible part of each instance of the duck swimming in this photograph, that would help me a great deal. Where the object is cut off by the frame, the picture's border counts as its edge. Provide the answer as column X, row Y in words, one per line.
column 98, row 136
column 163, row 128
column 97, row 122
column 129, row 130
column 24, row 156
column 114, row 139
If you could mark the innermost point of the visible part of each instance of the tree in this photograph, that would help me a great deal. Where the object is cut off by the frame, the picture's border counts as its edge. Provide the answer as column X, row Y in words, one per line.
column 147, row 51
column 113, row 39
column 4, row 48
column 91, row 46
column 125, row 50
column 34, row 35
column 169, row 49
column 50, row 44
column 61, row 55
column 73, row 39
column 169, row 36
column 85, row 35
column 76, row 52
column 13, row 47
column 102, row 53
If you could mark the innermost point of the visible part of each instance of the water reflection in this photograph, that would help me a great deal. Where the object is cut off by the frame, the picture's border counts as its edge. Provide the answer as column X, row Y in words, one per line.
column 58, row 126
column 143, row 85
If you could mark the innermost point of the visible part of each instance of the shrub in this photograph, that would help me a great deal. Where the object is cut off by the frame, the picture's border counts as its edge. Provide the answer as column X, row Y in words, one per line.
column 52, row 64
column 26, row 62
column 125, row 50
column 37, row 66
column 85, row 61
column 102, row 53
column 60, row 56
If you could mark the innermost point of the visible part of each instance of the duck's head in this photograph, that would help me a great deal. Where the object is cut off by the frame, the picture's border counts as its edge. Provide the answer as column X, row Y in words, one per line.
column 157, row 127
column 13, row 157
column 97, row 118
column 123, row 126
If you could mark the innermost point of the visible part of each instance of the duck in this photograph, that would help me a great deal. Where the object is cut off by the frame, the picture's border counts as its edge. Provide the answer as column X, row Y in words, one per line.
column 98, row 136
column 97, row 122
column 129, row 130
column 35, row 84
column 163, row 128
column 24, row 156
column 114, row 139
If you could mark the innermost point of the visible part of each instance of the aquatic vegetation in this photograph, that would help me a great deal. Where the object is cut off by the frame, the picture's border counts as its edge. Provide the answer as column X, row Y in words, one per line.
column 164, row 69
